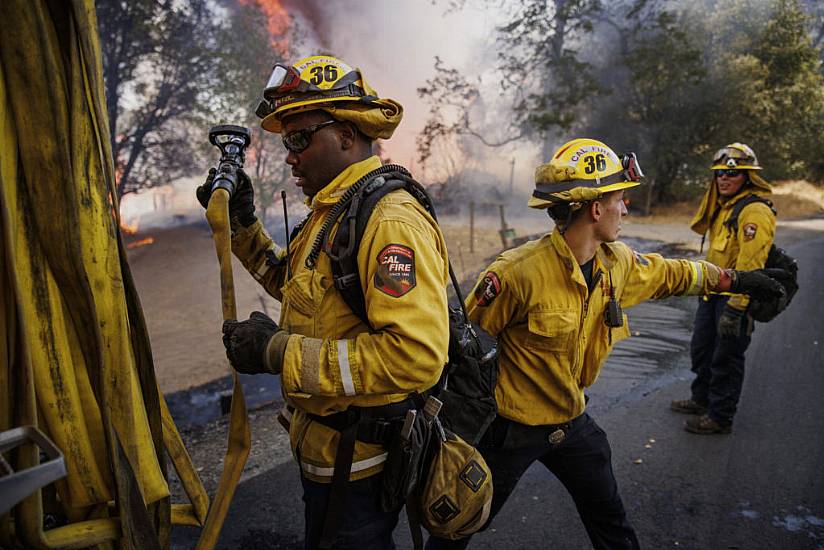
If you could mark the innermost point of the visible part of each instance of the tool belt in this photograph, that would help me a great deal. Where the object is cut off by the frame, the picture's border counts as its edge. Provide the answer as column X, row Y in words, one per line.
column 374, row 425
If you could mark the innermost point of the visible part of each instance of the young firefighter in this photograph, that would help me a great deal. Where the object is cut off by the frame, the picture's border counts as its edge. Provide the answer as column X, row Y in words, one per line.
column 555, row 306
column 347, row 384
column 722, row 326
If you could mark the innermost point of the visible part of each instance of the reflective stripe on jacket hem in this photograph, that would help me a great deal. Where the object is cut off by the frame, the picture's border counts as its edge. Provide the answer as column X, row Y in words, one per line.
column 358, row 466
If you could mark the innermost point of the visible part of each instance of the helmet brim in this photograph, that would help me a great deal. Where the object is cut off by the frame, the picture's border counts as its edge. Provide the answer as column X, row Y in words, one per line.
column 272, row 122
column 739, row 167
column 539, row 203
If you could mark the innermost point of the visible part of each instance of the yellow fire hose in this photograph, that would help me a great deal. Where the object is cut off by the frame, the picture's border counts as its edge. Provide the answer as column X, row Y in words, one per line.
column 75, row 360
column 217, row 214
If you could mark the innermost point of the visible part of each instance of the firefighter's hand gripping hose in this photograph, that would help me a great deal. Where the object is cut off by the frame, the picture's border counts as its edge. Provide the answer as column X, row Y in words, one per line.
column 217, row 214
column 256, row 345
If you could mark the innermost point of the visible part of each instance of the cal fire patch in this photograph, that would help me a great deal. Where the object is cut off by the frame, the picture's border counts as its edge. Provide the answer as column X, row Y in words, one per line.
column 396, row 270
column 749, row 231
column 488, row 289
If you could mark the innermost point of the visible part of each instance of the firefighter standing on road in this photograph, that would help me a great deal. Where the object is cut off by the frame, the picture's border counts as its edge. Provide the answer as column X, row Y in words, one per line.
column 722, row 327
column 342, row 380
column 555, row 306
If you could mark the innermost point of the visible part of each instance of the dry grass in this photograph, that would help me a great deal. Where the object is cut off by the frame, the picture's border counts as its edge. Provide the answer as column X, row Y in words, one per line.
column 792, row 199
column 798, row 199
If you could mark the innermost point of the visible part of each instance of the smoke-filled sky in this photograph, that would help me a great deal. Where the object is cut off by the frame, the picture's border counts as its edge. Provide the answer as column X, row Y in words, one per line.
column 395, row 42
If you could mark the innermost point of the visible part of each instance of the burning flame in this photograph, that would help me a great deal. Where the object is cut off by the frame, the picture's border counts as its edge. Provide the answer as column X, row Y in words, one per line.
column 278, row 21
column 129, row 228
column 141, row 242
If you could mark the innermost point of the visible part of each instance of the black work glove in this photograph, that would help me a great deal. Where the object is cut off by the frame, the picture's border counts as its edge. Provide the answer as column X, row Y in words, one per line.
column 758, row 283
column 242, row 202
column 729, row 324
column 256, row 345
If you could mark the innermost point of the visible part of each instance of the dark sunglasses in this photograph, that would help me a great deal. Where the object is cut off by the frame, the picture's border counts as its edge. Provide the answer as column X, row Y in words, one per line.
column 299, row 140
column 729, row 172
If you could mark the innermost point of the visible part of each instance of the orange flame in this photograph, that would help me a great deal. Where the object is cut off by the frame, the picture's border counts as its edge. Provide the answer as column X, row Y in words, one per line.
column 129, row 228
column 141, row 242
column 278, row 21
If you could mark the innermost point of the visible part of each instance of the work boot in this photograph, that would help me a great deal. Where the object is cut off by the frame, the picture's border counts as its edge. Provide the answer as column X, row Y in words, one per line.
column 688, row 406
column 705, row 425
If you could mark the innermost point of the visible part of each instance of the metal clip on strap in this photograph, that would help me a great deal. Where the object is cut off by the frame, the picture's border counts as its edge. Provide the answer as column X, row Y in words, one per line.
column 346, row 281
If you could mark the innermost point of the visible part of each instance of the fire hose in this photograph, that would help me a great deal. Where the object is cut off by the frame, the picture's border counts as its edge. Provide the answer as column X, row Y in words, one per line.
column 217, row 214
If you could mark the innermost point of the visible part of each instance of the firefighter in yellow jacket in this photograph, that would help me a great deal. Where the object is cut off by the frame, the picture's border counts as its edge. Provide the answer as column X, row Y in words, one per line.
column 345, row 382
column 555, row 305
column 722, row 327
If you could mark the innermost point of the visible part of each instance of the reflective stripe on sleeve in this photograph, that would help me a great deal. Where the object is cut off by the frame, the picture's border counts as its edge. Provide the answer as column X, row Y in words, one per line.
column 263, row 268
column 697, row 286
column 345, row 370
column 261, row 271
column 356, row 466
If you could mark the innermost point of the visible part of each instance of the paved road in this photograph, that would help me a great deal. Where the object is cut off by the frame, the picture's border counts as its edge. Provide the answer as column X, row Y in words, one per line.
column 760, row 487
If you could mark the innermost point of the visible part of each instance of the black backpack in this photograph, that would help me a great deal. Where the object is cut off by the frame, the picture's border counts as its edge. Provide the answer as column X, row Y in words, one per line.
column 767, row 310
column 467, row 385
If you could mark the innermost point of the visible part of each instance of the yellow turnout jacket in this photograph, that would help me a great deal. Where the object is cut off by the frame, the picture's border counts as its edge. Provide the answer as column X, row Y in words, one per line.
column 748, row 247
column 332, row 360
column 551, row 328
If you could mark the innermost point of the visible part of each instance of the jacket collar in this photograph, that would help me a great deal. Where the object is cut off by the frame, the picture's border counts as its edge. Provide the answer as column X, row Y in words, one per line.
column 330, row 194
column 604, row 257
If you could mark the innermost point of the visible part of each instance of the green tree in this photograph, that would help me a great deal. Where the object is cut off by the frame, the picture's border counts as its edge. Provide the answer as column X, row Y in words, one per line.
column 158, row 66
column 248, row 53
column 665, row 103
column 769, row 91
column 539, row 69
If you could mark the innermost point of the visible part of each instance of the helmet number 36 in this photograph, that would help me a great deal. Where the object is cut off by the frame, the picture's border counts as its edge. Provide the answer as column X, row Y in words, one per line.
column 321, row 73
column 595, row 162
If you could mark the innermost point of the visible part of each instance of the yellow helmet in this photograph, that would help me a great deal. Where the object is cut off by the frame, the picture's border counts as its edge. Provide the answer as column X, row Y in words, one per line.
column 736, row 156
column 583, row 170
column 311, row 83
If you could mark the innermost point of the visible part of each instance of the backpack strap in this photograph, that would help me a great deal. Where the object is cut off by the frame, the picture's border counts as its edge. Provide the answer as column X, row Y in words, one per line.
column 343, row 250
column 732, row 222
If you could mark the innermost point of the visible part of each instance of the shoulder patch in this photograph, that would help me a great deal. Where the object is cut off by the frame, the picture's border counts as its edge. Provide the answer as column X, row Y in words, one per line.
column 749, row 231
column 396, row 270
column 488, row 289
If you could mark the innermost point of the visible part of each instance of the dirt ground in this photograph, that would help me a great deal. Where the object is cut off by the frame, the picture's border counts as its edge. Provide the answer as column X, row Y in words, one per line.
column 177, row 276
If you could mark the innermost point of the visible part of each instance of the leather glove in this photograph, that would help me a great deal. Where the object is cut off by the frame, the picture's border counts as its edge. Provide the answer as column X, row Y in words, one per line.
column 256, row 345
column 758, row 283
column 729, row 324
column 242, row 202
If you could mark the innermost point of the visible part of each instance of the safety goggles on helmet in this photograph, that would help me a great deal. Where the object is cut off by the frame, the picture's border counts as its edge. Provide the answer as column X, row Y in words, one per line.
column 287, row 80
column 299, row 140
column 632, row 170
column 735, row 156
column 729, row 172
column 315, row 79
column 283, row 79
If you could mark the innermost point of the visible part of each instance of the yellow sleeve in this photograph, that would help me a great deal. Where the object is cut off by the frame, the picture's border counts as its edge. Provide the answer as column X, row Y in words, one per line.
column 261, row 257
column 653, row 276
column 756, row 232
column 404, row 272
column 494, row 302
